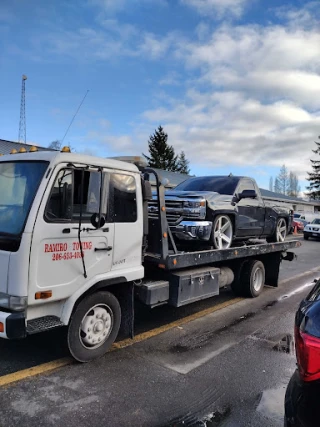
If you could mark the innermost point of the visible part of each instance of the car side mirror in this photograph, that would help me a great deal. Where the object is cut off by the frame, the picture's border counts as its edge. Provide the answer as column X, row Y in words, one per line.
column 146, row 190
column 247, row 194
column 95, row 220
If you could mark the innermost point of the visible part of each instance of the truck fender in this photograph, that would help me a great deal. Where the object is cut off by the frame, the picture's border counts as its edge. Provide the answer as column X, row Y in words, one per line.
column 93, row 285
column 232, row 214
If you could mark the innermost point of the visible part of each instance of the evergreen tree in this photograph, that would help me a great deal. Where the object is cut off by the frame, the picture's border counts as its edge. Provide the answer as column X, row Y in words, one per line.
column 314, row 176
column 183, row 164
column 161, row 154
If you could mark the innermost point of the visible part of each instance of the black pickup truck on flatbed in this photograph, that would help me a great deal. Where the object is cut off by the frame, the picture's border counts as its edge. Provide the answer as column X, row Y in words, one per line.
column 222, row 209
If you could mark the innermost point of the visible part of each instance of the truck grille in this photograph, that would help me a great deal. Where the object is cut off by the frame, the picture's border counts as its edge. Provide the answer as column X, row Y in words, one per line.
column 174, row 210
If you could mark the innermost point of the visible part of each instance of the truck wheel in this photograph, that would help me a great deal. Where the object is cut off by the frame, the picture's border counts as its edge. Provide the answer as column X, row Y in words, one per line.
column 94, row 326
column 280, row 232
column 222, row 232
column 306, row 237
column 252, row 278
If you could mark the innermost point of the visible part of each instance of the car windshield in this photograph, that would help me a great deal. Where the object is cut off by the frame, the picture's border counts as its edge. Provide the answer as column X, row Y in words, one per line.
column 218, row 184
column 18, row 184
column 316, row 221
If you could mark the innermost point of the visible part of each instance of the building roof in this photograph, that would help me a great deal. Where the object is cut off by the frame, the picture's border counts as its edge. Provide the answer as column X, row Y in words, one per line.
column 272, row 195
column 7, row 146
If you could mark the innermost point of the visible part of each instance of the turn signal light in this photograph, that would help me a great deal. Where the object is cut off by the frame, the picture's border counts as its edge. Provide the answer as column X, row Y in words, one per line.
column 66, row 149
column 1, row 327
column 22, row 150
column 43, row 295
column 13, row 151
column 33, row 149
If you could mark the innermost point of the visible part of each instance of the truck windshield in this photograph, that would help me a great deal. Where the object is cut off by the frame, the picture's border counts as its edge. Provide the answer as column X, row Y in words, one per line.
column 19, row 182
column 218, row 184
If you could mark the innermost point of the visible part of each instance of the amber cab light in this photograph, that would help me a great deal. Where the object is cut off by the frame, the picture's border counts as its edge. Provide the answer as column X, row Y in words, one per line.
column 43, row 295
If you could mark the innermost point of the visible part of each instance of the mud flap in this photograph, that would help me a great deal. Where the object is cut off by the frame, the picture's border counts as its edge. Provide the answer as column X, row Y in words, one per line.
column 272, row 263
column 125, row 296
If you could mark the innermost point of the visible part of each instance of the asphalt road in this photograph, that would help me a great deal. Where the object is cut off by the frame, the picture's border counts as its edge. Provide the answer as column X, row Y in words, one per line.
column 229, row 367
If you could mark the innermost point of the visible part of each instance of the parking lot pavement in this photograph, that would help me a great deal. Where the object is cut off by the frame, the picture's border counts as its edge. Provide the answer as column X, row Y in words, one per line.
column 228, row 366
column 221, row 366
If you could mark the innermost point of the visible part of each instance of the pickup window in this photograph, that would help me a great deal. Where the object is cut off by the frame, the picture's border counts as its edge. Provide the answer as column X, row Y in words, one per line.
column 217, row 184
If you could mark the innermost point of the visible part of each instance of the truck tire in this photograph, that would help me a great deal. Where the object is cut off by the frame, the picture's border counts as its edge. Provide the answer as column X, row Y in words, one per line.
column 252, row 278
column 94, row 326
column 222, row 232
column 306, row 237
column 280, row 232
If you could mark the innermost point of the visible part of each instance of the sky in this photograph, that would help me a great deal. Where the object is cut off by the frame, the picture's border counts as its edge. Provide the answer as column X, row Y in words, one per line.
column 234, row 83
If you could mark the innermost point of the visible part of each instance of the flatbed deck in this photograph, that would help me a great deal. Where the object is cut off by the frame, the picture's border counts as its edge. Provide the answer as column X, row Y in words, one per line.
column 176, row 261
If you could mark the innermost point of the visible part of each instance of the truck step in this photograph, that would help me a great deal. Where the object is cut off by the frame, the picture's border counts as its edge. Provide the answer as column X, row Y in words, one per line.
column 42, row 324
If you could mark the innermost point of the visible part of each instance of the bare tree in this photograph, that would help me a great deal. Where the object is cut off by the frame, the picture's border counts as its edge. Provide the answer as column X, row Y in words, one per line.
column 55, row 145
column 293, row 185
column 271, row 186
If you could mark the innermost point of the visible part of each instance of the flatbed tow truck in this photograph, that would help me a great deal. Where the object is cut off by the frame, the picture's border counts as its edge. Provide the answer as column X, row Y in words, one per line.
column 77, row 249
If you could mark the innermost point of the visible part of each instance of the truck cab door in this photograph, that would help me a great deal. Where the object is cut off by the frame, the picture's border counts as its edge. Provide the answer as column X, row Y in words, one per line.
column 57, row 262
column 250, row 211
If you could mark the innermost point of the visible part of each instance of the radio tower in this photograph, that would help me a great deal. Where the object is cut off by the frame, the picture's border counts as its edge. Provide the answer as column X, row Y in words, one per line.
column 22, row 124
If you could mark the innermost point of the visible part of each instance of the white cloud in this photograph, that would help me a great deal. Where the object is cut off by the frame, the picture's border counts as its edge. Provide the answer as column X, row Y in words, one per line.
column 218, row 8
column 171, row 79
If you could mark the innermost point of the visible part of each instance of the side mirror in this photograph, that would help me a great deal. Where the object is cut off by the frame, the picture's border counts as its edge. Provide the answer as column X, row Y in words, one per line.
column 95, row 220
column 247, row 194
column 146, row 190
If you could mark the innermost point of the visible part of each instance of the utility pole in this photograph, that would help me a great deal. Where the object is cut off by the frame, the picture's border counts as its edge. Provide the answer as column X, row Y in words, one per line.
column 22, row 124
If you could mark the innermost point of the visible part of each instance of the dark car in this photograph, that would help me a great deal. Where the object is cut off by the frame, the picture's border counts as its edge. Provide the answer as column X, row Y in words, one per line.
column 221, row 209
column 302, row 401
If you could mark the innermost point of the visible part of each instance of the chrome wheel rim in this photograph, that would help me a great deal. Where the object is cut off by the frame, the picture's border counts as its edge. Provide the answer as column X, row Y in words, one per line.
column 222, row 233
column 257, row 279
column 96, row 326
column 281, row 230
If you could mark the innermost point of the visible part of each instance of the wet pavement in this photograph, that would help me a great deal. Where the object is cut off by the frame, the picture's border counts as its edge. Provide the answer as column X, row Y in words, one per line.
column 229, row 368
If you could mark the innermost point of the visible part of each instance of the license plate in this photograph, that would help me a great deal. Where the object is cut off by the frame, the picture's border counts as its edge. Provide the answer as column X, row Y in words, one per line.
column 315, row 234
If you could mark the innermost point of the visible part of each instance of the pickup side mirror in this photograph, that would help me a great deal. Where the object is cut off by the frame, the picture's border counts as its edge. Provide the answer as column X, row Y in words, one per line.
column 247, row 194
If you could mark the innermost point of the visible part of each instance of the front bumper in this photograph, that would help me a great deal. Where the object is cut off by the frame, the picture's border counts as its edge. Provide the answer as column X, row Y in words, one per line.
column 312, row 233
column 193, row 230
column 14, row 325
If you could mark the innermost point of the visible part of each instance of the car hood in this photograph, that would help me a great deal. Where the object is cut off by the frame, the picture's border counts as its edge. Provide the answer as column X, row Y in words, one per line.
column 183, row 194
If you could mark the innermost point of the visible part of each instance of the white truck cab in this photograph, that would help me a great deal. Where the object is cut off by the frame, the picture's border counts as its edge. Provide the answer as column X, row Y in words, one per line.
column 51, row 254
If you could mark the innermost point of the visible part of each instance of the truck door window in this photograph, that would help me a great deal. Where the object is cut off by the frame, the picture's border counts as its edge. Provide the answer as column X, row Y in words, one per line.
column 65, row 199
column 59, row 207
column 122, row 198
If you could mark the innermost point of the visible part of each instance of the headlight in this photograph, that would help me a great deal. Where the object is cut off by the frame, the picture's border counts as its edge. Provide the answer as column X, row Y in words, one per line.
column 12, row 302
column 194, row 204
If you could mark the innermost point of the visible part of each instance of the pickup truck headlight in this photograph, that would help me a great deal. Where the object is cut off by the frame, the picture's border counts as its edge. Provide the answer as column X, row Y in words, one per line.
column 194, row 204
column 12, row 302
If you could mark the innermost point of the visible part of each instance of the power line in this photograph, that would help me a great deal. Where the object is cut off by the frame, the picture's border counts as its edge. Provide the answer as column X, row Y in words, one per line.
column 75, row 115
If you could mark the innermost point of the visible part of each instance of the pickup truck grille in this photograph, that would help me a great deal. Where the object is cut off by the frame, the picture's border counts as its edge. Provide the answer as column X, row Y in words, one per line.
column 174, row 209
